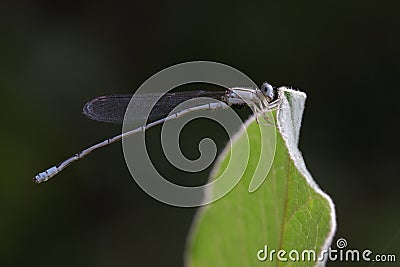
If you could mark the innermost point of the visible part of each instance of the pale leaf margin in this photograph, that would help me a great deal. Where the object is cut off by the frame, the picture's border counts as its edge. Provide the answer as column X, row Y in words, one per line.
column 289, row 117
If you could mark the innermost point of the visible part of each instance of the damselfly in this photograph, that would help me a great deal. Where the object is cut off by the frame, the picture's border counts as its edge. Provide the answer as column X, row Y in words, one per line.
column 112, row 109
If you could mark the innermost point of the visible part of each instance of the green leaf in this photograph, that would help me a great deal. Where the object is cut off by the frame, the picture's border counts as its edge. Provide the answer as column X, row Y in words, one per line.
column 287, row 212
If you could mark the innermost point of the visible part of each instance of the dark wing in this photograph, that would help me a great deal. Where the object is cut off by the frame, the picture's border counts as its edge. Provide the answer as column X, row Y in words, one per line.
column 112, row 108
column 109, row 108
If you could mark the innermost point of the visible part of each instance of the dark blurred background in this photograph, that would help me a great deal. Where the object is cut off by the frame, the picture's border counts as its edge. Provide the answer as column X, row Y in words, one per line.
column 53, row 58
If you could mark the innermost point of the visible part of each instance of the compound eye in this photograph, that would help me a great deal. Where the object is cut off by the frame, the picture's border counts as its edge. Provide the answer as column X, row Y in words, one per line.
column 268, row 91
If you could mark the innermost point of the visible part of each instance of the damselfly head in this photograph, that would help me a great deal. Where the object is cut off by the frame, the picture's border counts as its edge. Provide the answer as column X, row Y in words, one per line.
column 268, row 91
